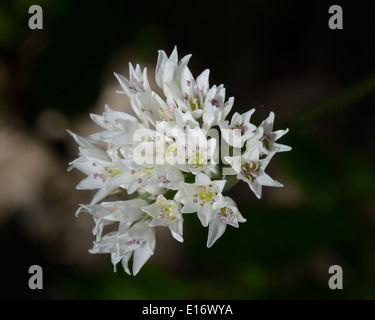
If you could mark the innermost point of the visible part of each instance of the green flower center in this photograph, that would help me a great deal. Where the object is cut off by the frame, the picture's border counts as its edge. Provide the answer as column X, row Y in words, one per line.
column 226, row 214
column 240, row 129
column 265, row 139
column 205, row 194
column 197, row 159
column 169, row 211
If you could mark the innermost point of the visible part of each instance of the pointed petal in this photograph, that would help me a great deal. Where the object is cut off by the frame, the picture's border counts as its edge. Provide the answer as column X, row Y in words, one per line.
column 140, row 257
column 205, row 214
column 256, row 188
column 202, row 180
column 202, row 81
column 215, row 230
column 265, row 180
column 125, row 262
column 190, row 206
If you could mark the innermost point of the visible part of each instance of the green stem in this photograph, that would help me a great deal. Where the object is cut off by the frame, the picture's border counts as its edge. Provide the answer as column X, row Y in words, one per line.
column 143, row 195
column 351, row 96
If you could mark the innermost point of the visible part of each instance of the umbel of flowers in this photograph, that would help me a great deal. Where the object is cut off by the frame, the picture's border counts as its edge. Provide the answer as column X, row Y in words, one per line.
column 176, row 157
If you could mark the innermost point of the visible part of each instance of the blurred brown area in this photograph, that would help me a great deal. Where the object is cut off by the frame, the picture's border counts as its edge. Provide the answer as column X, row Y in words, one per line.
column 274, row 56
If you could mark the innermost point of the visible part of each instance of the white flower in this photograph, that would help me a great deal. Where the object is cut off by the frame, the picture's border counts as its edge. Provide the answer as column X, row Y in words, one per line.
column 125, row 212
column 200, row 196
column 215, row 107
column 139, row 240
column 166, row 177
column 170, row 159
column 240, row 127
column 118, row 129
column 168, row 70
column 250, row 168
column 166, row 213
column 102, row 173
column 224, row 212
column 138, row 81
column 197, row 153
column 268, row 137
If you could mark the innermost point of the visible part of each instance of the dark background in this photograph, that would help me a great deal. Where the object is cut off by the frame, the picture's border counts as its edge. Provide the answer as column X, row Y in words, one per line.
column 276, row 56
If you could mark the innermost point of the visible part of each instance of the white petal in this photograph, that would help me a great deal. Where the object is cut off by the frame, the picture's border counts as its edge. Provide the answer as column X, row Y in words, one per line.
column 279, row 133
column 140, row 257
column 281, row 147
column 219, row 184
column 115, row 259
column 90, row 183
column 256, row 188
column 265, row 180
column 251, row 154
column 160, row 66
column 209, row 116
column 215, row 230
column 124, row 83
column 190, row 206
column 176, row 230
column 247, row 115
column 98, row 120
column 202, row 81
column 79, row 140
column 205, row 214
column 125, row 262
column 202, row 180
column 268, row 123
column 181, row 195
column 152, row 209
column 236, row 119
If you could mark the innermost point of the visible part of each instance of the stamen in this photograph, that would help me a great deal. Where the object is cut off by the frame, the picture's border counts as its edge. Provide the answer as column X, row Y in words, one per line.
column 164, row 179
column 265, row 140
column 160, row 202
column 225, row 214
column 132, row 241
column 169, row 114
column 245, row 172
column 215, row 103
column 254, row 173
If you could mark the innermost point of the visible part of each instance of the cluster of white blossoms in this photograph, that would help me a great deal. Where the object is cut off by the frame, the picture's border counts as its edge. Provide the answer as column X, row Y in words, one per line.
column 177, row 157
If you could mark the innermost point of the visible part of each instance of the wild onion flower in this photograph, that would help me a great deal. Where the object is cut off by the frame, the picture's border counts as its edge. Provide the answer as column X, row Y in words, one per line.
column 176, row 157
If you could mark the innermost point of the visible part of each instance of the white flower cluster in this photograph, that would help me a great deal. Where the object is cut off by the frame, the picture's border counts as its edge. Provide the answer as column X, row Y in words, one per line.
column 177, row 158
